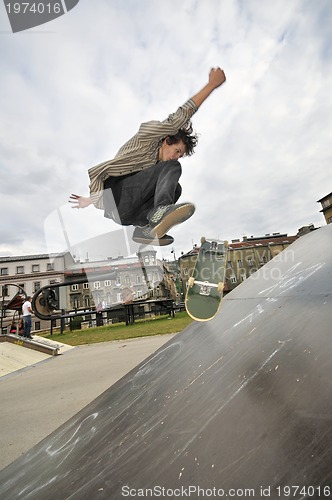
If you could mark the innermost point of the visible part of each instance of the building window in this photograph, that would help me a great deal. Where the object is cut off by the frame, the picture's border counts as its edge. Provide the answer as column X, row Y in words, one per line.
column 53, row 282
column 35, row 268
column 86, row 286
column 107, row 283
column 96, row 285
column 233, row 279
column 230, row 264
column 20, row 270
column 74, row 288
column 239, row 263
column 4, row 271
column 36, row 286
column 250, row 261
column 50, row 267
column 138, row 279
column 127, row 280
column 118, row 280
column 327, row 203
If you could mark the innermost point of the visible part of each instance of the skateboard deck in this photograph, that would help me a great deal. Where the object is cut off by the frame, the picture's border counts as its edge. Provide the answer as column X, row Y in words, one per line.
column 206, row 284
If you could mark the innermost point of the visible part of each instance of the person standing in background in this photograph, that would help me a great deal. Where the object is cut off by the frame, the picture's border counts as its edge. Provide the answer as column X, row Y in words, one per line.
column 27, row 317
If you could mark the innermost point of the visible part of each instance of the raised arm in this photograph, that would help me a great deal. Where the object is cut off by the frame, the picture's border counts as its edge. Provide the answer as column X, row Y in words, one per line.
column 216, row 78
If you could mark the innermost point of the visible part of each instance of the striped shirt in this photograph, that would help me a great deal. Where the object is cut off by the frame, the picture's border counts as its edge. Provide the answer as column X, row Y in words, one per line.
column 140, row 152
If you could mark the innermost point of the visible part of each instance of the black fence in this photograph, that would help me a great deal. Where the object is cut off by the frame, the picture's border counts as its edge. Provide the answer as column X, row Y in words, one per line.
column 123, row 313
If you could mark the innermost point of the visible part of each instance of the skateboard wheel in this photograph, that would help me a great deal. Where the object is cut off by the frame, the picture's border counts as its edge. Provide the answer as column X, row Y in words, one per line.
column 191, row 281
column 220, row 286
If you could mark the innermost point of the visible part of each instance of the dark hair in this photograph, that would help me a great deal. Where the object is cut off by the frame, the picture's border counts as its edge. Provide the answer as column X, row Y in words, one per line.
column 187, row 137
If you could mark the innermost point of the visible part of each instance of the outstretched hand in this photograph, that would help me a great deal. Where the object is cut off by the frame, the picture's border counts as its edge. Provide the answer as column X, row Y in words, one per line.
column 79, row 201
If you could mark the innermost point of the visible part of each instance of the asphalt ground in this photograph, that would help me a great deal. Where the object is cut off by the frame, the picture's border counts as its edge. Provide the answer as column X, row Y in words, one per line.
column 39, row 392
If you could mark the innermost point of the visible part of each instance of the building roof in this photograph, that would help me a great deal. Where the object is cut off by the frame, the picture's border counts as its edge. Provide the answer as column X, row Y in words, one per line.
column 20, row 258
column 258, row 242
column 324, row 198
column 274, row 239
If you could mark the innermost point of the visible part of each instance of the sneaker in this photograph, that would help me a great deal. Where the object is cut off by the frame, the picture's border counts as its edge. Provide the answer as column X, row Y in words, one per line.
column 163, row 218
column 143, row 235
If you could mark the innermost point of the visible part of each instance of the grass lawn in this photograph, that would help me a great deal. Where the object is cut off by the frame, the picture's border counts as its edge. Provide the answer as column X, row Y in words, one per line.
column 143, row 328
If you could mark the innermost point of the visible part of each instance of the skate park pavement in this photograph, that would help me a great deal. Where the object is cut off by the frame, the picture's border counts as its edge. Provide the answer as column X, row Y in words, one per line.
column 40, row 392
column 239, row 404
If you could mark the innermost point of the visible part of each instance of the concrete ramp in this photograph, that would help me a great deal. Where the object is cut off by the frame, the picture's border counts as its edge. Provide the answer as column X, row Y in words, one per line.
column 42, row 345
column 237, row 407
column 13, row 358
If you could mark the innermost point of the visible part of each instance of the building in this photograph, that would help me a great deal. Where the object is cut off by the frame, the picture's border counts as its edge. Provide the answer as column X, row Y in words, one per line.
column 244, row 257
column 171, row 281
column 29, row 273
column 108, row 283
column 247, row 256
column 115, row 281
column 326, row 203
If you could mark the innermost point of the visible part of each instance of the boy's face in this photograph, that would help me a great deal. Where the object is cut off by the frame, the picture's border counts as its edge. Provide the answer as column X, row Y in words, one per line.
column 171, row 151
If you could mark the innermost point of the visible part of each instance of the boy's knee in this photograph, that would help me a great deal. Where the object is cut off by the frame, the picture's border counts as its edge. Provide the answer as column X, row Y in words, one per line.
column 171, row 165
column 175, row 164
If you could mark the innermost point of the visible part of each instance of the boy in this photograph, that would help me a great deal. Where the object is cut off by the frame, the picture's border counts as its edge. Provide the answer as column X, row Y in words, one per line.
column 140, row 186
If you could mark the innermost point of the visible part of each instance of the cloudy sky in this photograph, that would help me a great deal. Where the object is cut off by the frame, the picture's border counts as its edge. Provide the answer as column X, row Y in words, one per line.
column 75, row 89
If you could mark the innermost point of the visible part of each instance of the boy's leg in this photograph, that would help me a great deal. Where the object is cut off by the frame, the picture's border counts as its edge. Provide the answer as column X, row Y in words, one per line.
column 147, row 199
column 165, row 213
column 129, row 199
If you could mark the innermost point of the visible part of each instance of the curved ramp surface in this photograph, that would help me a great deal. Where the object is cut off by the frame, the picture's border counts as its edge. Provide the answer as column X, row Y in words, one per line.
column 240, row 406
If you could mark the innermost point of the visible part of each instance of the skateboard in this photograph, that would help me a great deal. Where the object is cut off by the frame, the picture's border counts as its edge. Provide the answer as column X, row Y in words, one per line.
column 206, row 284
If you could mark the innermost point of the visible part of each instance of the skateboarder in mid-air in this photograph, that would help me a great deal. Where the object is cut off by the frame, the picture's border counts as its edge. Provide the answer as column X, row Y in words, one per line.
column 140, row 186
